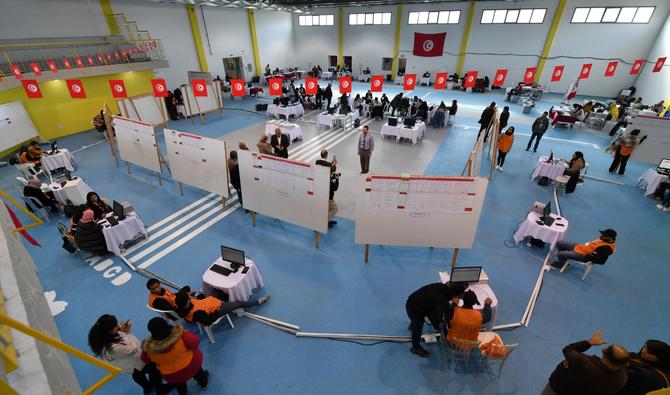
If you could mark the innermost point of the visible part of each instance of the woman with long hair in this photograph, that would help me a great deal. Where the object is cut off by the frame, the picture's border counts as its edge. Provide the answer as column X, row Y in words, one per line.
column 112, row 342
column 99, row 207
column 649, row 370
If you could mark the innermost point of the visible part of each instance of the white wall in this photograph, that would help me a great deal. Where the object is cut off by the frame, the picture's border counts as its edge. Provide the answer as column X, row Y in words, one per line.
column 47, row 18
column 229, row 36
column 313, row 44
column 368, row 44
column 654, row 87
column 274, row 31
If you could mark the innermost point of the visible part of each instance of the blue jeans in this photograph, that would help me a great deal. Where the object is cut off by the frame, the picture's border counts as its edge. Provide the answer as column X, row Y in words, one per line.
column 666, row 200
column 565, row 250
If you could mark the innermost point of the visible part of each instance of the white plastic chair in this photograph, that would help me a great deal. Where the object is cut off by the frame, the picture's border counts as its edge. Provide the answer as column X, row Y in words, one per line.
column 208, row 328
column 588, row 266
column 29, row 172
column 498, row 355
column 167, row 314
column 461, row 352
column 36, row 207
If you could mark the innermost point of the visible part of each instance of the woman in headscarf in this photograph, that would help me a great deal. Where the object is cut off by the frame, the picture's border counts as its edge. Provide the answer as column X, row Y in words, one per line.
column 649, row 370
column 175, row 352
column 99, row 207
column 88, row 235
column 112, row 342
column 34, row 189
column 171, row 105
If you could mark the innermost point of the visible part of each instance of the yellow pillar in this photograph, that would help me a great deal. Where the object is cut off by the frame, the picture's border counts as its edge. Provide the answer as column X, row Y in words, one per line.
column 396, row 41
column 109, row 17
column 254, row 41
column 197, row 38
column 340, row 36
column 550, row 39
column 466, row 37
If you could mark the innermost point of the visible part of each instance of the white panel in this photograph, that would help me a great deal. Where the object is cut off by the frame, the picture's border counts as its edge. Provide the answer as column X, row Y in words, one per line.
column 286, row 204
column 137, row 143
column 499, row 16
column 524, row 16
column 145, row 108
column 197, row 161
column 580, row 14
column 512, row 16
column 627, row 14
column 413, row 18
column 595, row 15
column 654, row 87
column 487, row 16
column 16, row 126
column 657, row 144
column 275, row 38
column 454, row 17
column 538, row 16
column 202, row 104
column 432, row 17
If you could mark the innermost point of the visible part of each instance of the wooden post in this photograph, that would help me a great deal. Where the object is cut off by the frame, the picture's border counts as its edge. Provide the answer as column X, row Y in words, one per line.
column 132, row 103
column 128, row 166
column 124, row 108
column 366, row 252
column 202, row 118
column 223, row 201
column 160, row 182
column 181, row 188
column 253, row 218
column 454, row 257
column 109, row 132
column 184, row 93
column 161, row 107
column 317, row 239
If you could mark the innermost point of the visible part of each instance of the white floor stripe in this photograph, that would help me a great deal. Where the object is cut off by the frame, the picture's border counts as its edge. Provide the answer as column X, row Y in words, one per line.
column 188, row 237
column 316, row 142
column 178, row 213
column 315, row 152
column 319, row 147
column 595, row 146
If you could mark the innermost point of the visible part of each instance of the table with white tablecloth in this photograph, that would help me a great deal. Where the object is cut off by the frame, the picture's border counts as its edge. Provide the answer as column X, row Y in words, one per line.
column 652, row 179
column 326, row 75
column 483, row 291
column 238, row 286
column 414, row 133
column 425, row 81
column 548, row 234
column 74, row 190
column 549, row 170
column 294, row 131
column 364, row 77
column 63, row 158
column 296, row 110
column 399, row 80
column 330, row 120
column 127, row 229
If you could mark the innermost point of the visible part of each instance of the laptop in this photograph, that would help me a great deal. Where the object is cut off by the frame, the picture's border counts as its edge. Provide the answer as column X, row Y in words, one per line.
column 664, row 167
column 465, row 274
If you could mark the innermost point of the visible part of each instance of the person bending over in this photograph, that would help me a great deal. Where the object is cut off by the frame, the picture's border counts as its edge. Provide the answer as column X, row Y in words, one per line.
column 34, row 189
column 596, row 251
column 465, row 322
column 207, row 310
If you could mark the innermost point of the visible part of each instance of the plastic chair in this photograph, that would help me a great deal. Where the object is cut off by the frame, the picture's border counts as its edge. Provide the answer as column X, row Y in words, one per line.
column 36, row 207
column 461, row 352
column 588, row 266
column 29, row 172
column 167, row 314
column 498, row 355
column 208, row 328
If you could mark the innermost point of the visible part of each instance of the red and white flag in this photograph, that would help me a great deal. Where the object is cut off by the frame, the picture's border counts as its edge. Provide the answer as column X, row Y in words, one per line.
column 160, row 87
column 76, row 89
column 586, row 71
column 101, row 60
column 499, row 79
column 36, row 69
column 276, row 85
column 52, row 66
column 470, row 79
column 16, row 71
column 557, row 74
column 118, row 89
column 572, row 89
column 428, row 45
column 529, row 75
column 637, row 66
column 611, row 68
column 116, row 55
column 659, row 65
column 376, row 83
column 345, row 84
column 67, row 63
column 441, row 80
column 32, row 89
column 409, row 82
column 237, row 87
column 123, row 52
column 199, row 87
column 108, row 56
column 311, row 86
column 79, row 62
column 90, row 60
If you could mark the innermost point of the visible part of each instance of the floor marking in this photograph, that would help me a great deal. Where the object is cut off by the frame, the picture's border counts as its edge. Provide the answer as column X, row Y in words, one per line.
column 178, row 213
column 314, row 141
column 83, row 147
column 426, row 95
column 603, row 180
column 595, row 146
column 315, row 151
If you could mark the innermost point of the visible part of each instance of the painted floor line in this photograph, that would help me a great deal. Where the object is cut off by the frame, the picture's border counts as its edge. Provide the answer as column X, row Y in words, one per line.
column 178, row 213
column 315, row 151
column 595, row 146
column 310, row 144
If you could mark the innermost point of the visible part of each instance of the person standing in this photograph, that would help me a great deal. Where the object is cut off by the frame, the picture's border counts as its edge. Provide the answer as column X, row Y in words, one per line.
column 366, row 144
column 334, row 185
column 319, row 97
column 263, row 146
column 623, row 147
column 328, row 95
column 540, row 126
column 580, row 374
column 485, row 120
column 504, row 118
column 505, row 142
column 280, row 143
column 234, row 172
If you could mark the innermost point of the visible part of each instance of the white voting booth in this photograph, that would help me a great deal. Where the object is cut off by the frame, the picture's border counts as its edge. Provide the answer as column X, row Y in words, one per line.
column 199, row 105
column 198, row 161
column 145, row 108
column 288, row 190
column 657, row 144
column 137, row 144
column 15, row 125
column 418, row 211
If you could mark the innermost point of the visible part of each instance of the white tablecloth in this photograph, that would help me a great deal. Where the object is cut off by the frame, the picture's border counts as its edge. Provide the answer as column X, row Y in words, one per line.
column 415, row 133
column 364, row 77
column 62, row 159
column 75, row 190
column 544, row 169
column 293, row 130
column 325, row 119
column 326, row 75
column 399, row 80
column 652, row 180
column 238, row 286
column 126, row 230
column 548, row 234
column 276, row 110
column 482, row 291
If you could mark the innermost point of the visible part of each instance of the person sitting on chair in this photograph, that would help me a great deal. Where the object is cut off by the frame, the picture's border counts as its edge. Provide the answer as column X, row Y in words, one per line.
column 574, row 169
column 162, row 298
column 596, row 251
column 88, row 235
column 34, row 189
column 99, row 206
column 209, row 309
column 99, row 122
column 377, row 109
column 426, row 74
column 649, row 370
column 465, row 322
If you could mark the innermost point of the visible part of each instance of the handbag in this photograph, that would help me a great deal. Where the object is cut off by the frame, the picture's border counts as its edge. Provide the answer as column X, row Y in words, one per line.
column 68, row 246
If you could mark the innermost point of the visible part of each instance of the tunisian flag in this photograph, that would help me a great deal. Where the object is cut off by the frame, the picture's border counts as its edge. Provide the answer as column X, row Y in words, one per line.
column 659, row 65
column 237, row 87
column 637, row 66
column 36, row 69
column 611, row 68
column 345, row 84
column 76, row 89
column 470, row 79
column 52, row 66
column 199, row 87
column 586, row 71
column 160, row 87
column 409, row 82
column 311, row 85
column 557, row 74
column 428, row 45
column 376, row 83
column 32, row 89
column 16, row 71
column 118, row 89
column 275, row 85
column 499, row 79
column 529, row 75
column 441, row 80
column 572, row 89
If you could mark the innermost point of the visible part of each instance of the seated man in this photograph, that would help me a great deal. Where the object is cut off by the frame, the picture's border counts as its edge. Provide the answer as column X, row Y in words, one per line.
column 99, row 122
column 465, row 322
column 596, row 251
column 34, row 189
column 161, row 298
column 663, row 196
column 207, row 310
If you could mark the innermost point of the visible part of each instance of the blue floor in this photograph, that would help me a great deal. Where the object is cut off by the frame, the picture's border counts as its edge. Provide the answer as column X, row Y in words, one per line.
column 331, row 290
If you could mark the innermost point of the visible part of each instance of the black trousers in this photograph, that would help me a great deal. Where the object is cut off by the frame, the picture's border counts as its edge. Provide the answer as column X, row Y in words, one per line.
column 501, row 157
column 659, row 193
column 416, row 325
column 534, row 136
column 620, row 162
column 202, row 377
column 328, row 105
column 154, row 380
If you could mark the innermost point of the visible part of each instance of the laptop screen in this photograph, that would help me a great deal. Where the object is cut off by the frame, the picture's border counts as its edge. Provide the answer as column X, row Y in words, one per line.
column 465, row 274
column 665, row 164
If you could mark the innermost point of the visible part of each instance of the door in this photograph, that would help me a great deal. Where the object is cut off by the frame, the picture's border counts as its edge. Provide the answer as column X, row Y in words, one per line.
column 332, row 60
column 347, row 61
column 402, row 65
column 234, row 67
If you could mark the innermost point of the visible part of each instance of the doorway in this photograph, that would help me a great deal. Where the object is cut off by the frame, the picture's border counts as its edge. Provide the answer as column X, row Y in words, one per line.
column 233, row 67
column 332, row 60
column 347, row 61
column 402, row 64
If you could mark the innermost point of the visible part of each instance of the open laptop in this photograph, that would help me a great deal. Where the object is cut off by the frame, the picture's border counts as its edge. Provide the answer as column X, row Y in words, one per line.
column 465, row 274
column 664, row 167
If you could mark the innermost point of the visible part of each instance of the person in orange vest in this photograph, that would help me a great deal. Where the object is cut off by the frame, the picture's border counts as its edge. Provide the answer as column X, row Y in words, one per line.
column 175, row 352
column 161, row 298
column 505, row 142
column 207, row 310
column 623, row 147
column 596, row 251
column 465, row 322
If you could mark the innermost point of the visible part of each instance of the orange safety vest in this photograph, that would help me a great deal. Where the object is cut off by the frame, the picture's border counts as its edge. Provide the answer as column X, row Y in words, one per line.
column 209, row 305
column 178, row 357
column 592, row 246
column 167, row 295
column 626, row 151
column 505, row 142
column 465, row 324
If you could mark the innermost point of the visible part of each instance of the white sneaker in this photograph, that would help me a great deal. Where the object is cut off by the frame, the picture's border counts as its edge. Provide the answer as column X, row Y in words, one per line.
column 660, row 206
column 500, row 168
column 497, row 167
column 666, row 208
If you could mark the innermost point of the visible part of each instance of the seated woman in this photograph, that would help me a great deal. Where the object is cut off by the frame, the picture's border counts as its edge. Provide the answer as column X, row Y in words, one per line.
column 207, row 310
column 34, row 189
column 575, row 166
column 99, row 122
column 88, row 235
column 358, row 104
column 99, row 207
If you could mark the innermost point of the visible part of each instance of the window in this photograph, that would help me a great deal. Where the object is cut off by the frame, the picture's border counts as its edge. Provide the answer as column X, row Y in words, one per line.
column 526, row 15
column 612, row 14
column 316, row 20
column 434, row 17
column 377, row 18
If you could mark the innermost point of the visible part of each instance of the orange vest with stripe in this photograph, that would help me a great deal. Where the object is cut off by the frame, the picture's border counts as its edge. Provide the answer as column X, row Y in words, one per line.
column 592, row 246
column 505, row 142
column 178, row 357
column 465, row 324
column 209, row 305
column 167, row 295
column 626, row 151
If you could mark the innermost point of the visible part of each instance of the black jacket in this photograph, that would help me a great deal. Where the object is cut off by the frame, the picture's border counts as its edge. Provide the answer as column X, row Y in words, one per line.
column 100, row 209
column 328, row 93
column 642, row 378
column 540, row 125
column 485, row 119
column 431, row 301
column 334, row 182
column 89, row 237
column 235, row 176
column 284, row 141
column 504, row 117
column 396, row 100
column 39, row 195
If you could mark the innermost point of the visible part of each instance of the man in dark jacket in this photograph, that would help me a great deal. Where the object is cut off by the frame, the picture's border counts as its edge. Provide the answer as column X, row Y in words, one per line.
column 485, row 119
column 334, row 185
column 540, row 126
column 504, row 118
column 328, row 95
column 33, row 189
column 430, row 301
column 580, row 374
column 280, row 142
column 596, row 251
column 395, row 103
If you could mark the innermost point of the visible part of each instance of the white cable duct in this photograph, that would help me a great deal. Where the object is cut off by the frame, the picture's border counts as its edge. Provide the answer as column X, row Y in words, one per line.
column 276, row 322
